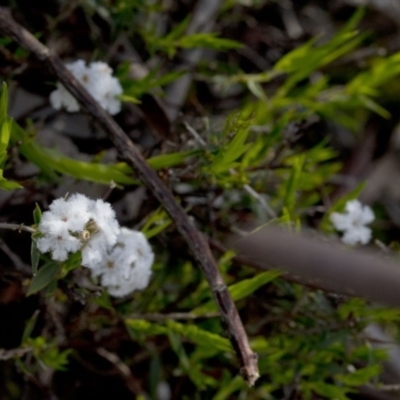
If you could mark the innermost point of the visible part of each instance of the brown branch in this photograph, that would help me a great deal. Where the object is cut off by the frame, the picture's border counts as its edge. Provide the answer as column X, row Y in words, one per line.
column 326, row 265
column 197, row 243
column 122, row 369
column 314, row 283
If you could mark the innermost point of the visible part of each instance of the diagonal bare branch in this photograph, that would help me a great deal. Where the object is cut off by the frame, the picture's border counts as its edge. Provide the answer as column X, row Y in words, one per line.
column 195, row 240
column 322, row 264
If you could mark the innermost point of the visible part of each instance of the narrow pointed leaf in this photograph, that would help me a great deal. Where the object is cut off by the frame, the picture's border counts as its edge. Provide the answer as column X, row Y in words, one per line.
column 44, row 277
column 37, row 215
column 35, row 256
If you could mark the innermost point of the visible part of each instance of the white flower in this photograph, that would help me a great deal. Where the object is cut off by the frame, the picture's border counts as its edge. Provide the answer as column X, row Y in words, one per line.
column 106, row 87
column 353, row 223
column 78, row 223
column 98, row 81
column 59, row 242
column 62, row 98
column 58, row 226
column 127, row 267
column 121, row 258
column 103, row 228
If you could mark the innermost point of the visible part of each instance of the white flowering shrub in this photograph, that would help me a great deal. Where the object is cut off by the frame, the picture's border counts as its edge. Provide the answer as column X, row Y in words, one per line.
column 265, row 128
column 121, row 258
column 353, row 223
column 98, row 81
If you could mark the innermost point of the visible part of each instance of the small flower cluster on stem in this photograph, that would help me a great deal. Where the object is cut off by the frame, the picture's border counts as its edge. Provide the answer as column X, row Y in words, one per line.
column 121, row 258
column 354, row 223
column 98, row 81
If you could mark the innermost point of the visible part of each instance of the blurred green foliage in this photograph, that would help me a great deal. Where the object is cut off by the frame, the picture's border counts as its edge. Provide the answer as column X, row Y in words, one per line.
column 305, row 341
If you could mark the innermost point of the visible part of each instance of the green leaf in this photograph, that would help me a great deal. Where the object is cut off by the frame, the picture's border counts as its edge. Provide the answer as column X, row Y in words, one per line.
column 208, row 40
column 226, row 391
column 4, row 139
column 50, row 289
column 74, row 261
column 44, row 277
column 30, row 326
column 330, row 391
column 178, row 38
column 4, row 101
column 177, row 346
column 9, row 185
column 55, row 359
column 5, row 132
column 289, row 201
column 145, row 327
column 241, row 289
column 225, row 159
column 35, row 254
column 367, row 82
column 248, row 286
column 302, row 61
column 4, row 125
column 191, row 368
column 288, row 62
column 103, row 301
column 37, row 215
column 195, row 334
column 360, row 376
column 170, row 160
column 257, row 90
column 178, row 30
column 373, row 106
column 200, row 336
column 156, row 222
column 135, row 89
column 49, row 161
column 47, row 352
column 129, row 99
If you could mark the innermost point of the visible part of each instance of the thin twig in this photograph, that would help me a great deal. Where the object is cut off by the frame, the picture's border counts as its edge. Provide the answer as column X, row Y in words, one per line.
column 157, row 317
column 388, row 388
column 197, row 243
column 14, row 353
column 195, row 135
column 15, row 259
column 17, row 227
column 122, row 369
column 259, row 198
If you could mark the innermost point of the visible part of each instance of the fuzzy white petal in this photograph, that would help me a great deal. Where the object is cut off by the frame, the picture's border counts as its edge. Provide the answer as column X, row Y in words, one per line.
column 127, row 267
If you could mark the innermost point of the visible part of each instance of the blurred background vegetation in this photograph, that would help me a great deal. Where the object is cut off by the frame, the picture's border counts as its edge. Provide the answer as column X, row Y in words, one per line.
column 252, row 112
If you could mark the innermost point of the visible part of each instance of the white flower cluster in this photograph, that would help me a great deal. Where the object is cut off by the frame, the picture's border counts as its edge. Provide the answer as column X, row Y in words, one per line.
column 121, row 258
column 98, row 81
column 353, row 223
column 127, row 264
column 78, row 223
